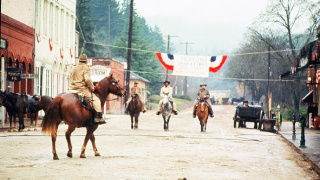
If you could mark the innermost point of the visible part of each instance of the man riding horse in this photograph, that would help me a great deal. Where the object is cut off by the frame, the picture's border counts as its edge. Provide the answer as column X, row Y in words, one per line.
column 166, row 89
column 135, row 91
column 203, row 94
column 80, row 81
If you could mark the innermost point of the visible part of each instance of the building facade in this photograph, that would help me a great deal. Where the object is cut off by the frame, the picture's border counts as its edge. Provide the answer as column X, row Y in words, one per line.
column 17, row 48
column 54, row 45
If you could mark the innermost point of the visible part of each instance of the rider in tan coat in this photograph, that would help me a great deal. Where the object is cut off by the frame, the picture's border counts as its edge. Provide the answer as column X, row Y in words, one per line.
column 80, row 81
column 205, row 95
column 135, row 90
column 166, row 89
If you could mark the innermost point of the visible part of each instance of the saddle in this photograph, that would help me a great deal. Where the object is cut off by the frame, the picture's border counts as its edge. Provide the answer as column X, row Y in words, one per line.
column 32, row 102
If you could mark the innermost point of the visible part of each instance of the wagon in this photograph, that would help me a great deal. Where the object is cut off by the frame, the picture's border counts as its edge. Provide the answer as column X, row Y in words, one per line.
column 252, row 113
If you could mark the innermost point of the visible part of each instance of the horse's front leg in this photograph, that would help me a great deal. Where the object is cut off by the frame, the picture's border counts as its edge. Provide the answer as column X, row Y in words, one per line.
column 136, row 121
column 164, row 123
column 131, row 121
column 21, row 122
column 36, row 118
column 93, row 142
column 89, row 135
column 68, row 135
column 168, row 122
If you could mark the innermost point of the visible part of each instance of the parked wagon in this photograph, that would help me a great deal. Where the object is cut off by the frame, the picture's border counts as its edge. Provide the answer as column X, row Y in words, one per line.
column 252, row 113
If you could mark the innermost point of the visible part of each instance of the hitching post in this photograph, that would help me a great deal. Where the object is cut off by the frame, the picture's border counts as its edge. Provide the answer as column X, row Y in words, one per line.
column 294, row 128
column 303, row 124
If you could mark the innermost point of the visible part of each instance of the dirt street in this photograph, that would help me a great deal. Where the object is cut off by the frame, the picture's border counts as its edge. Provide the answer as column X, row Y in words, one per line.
column 151, row 153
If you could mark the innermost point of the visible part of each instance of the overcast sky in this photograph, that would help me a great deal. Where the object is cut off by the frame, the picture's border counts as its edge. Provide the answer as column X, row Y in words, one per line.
column 214, row 26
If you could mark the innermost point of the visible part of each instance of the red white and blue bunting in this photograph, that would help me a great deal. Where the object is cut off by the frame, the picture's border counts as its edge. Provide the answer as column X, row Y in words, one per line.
column 184, row 65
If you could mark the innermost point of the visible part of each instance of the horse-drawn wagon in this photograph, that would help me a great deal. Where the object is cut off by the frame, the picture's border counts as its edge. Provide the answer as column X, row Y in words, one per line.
column 251, row 113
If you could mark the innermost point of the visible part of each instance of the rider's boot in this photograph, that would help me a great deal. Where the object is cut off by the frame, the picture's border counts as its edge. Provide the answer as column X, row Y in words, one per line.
column 98, row 118
column 175, row 112
column 210, row 111
column 158, row 113
column 194, row 111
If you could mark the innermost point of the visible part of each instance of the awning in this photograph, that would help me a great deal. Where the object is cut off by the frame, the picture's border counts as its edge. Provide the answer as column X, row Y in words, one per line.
column 307, row 98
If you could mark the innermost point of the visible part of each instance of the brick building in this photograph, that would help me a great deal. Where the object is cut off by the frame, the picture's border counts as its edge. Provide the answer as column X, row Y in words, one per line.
column 17, row 48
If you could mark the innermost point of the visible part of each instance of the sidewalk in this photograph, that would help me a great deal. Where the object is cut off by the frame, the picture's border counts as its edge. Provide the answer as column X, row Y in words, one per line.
column 312, row 142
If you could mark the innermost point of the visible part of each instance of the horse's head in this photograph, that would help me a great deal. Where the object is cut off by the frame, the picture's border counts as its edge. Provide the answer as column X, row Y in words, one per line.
column 3, row 97
column 110, row 85
column 165, row 98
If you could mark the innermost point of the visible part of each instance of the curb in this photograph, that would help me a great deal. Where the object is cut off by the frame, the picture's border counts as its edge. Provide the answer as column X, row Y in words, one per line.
column 306, row 158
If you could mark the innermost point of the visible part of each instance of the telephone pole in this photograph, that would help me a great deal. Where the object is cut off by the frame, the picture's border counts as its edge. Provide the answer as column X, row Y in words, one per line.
column 168, row 51
column 129, row 51
column 186, row 78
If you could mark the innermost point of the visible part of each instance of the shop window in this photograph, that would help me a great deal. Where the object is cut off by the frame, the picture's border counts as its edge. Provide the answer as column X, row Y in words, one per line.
column 16, row 64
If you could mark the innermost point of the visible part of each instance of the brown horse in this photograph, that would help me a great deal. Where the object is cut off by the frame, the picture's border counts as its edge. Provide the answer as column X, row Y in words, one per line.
column 17, row 105
column 135, row 107
column 67, row 107
column 203, row 113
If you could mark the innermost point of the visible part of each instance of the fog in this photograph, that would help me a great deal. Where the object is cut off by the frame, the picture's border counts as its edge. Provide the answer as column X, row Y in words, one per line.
column 214, row 27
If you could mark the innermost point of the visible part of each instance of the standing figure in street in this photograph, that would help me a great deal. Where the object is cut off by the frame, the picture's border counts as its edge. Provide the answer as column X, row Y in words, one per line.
column 203, row 94
column 80, row 81
column 166, row 89
column 135, row 90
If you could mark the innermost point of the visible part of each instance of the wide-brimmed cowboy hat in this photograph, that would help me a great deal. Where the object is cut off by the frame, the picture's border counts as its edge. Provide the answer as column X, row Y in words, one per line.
column 136, row 82
column 203, row 85
column 166, row 81
column 83, row 58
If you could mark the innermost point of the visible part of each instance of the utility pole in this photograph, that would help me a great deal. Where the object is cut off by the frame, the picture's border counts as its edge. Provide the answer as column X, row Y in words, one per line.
column 269, row 70
column 129, row 50
column 108, row 50
column 186, row 78
column 168, row 51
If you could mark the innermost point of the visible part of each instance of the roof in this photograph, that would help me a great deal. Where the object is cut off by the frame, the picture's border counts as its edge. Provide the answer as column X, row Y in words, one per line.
column 119, row 59
column 134, row 76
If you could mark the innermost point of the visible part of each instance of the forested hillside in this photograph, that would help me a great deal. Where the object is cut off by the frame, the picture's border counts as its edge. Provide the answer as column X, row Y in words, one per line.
column 93, row 25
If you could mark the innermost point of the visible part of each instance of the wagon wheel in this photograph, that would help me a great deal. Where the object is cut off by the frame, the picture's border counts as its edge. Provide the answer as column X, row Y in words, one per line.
column 235, row 120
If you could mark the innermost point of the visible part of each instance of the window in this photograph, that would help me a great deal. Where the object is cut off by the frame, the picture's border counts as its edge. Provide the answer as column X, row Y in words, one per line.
column 39, row 17
column 62, row 29
column 67, row 29
column 45, row 16
column 37, row 81
column 56, row 25
column 51, row 21
column 48, row 79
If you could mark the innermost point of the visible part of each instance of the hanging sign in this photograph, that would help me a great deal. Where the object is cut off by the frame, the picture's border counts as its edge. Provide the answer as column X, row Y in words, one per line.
column 14, row 74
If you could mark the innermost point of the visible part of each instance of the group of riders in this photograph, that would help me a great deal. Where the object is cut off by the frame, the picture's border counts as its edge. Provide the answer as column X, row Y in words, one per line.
column 81, row 83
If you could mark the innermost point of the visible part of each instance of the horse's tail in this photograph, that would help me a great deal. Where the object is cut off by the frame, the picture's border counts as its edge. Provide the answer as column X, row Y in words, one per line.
column 52, row 117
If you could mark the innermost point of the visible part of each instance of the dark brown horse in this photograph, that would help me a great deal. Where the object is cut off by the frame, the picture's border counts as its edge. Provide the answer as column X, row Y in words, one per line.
column 17, row 105
column 203, row 113
column 67, row 107
column 135, row 107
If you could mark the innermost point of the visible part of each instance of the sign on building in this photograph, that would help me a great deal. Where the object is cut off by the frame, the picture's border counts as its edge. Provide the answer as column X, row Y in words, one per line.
column 13, row 74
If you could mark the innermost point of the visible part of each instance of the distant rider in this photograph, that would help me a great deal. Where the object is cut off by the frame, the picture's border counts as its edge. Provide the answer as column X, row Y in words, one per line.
column 203, row 94
column 135, row 90
column 166, row 89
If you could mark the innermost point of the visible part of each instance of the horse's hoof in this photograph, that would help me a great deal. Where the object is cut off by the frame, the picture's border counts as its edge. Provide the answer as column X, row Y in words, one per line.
column 83, row 156
column 35, row 129
column 97, row 154
column 69, row 155
column 55, row 157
